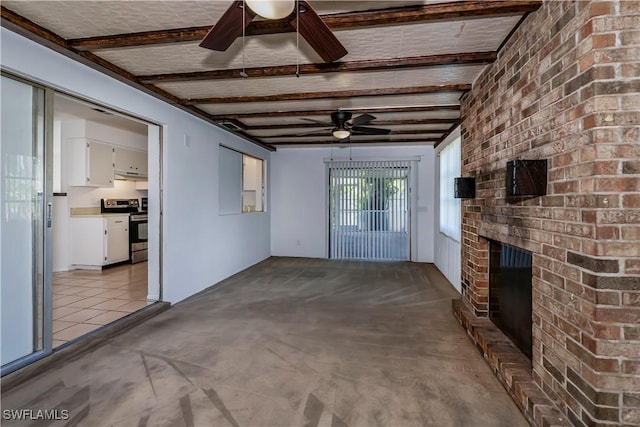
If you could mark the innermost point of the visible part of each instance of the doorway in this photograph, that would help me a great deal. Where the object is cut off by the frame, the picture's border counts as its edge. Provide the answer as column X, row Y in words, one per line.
column 369, row 210
column 100, row 267
column 47, row 297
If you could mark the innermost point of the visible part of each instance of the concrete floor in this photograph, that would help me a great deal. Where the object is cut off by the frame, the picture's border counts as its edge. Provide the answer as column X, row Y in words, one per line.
column 288, row 342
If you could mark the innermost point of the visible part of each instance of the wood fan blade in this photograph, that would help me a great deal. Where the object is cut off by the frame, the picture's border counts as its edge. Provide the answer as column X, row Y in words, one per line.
column 370, row 131
column 317, row 34
column 361, row 120
column 228, row 28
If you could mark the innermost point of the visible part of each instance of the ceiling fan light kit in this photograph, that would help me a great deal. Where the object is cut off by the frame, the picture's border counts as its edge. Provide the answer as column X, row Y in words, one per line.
column 341, row 133
column 271, row 9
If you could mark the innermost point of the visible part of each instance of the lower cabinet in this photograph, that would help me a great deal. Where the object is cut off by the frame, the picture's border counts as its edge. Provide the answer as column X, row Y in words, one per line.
column 116, row 239
column 99, row 240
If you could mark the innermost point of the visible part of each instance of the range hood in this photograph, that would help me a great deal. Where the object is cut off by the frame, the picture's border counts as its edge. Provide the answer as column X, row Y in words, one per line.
column 128, row 175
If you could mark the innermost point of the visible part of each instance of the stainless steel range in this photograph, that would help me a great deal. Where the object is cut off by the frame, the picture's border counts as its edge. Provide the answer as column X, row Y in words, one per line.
column 138, row 245
column 138, row 234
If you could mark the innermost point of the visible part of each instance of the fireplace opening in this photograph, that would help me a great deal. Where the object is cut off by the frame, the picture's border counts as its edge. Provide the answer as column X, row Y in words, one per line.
column 510, row 277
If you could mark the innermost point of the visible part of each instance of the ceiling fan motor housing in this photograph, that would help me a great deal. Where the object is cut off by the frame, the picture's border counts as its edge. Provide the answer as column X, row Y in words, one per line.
column 339, row 118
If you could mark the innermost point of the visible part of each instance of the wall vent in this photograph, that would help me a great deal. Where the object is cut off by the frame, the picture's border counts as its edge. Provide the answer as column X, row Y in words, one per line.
column 231, row 126
column 100, row 110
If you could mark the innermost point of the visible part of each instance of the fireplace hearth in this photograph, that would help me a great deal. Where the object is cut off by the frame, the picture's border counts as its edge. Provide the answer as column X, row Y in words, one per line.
column 510, row 278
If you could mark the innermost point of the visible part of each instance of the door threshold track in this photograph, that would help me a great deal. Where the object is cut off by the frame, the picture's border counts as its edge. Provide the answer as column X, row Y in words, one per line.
column 80, row 345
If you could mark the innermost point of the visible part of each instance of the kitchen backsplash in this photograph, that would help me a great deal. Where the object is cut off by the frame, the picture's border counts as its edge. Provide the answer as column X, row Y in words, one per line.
column 88, row 196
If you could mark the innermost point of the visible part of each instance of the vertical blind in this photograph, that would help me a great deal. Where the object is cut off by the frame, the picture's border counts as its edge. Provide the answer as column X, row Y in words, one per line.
column 369, row 210
column 450, row 220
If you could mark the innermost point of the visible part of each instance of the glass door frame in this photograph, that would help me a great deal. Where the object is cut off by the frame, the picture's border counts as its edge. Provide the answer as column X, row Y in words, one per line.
column 43, row 326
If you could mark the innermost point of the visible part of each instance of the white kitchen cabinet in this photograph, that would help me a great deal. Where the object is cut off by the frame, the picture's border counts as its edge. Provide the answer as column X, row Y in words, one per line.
column 91, row 163
column 116, row 239
column 130, row 160
column 142, row 185
column 140, row 161
column 99, row 240
column 122, row 158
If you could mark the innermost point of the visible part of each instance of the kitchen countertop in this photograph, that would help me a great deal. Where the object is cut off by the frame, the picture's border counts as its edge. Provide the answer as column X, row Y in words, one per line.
column 92, row 212
column 98, row 215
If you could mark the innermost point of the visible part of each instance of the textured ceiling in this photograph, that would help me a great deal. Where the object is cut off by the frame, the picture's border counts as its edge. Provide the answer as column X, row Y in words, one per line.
column 468, row 35
column 324, row 82
column 81, row 18
column 447, row 98
column 417, row 101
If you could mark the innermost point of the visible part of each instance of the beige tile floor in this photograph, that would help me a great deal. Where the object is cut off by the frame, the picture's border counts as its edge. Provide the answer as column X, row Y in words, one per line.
column 84, row 300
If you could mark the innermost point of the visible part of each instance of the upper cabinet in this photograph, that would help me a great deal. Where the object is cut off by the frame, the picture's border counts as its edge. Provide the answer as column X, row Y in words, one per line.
column 98, row 154
column 130, row 160
column 140, row 161
column 91, row 163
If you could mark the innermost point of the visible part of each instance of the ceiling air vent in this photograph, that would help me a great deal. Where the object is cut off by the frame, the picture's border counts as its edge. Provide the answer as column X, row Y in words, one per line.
column 100, row 110
column 231, row 126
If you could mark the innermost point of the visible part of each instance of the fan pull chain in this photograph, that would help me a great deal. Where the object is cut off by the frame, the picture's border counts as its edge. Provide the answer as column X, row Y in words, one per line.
column 298, row 38
column 243, row 74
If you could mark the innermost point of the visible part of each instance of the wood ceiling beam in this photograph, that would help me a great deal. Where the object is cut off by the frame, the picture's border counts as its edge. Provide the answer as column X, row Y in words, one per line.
column 301, row 113
column 328, row 67
column 304, row 96
column 369, row 141
column 439, row 132
column 338, row 21
column 47, row 38
column 373, row 123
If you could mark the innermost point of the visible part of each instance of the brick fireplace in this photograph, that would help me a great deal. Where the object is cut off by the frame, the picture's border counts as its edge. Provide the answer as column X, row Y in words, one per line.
column 510, row 276
column 565, row 88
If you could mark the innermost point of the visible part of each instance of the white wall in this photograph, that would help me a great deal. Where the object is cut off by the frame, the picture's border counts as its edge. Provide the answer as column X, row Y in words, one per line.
column 299, row 225
column 448, row 259
column 200, row 248
column 447, row 250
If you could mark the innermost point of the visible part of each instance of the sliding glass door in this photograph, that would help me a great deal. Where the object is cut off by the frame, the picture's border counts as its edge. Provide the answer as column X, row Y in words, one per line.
column 369, row 210
column 25, row 225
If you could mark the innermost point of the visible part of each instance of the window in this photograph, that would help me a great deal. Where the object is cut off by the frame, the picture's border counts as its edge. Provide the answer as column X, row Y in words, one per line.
column 252, row 184
column 449, row 206
column 241, row 183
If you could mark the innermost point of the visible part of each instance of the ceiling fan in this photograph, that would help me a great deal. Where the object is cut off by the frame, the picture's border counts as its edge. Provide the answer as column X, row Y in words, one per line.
column 343, row 126
column 311, row 27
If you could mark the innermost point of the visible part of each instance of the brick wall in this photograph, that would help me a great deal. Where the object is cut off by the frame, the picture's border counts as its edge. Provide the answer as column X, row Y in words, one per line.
column 566, row 88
